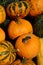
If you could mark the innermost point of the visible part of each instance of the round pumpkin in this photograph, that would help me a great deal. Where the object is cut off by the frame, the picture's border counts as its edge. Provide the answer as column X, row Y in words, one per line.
column 23, row 62
column 38, row 26
column 36, row 7
column 20, row 9
column 28, row 46
column 7, row 53
column 2, row 35
column 19, row 27
column 2, row 14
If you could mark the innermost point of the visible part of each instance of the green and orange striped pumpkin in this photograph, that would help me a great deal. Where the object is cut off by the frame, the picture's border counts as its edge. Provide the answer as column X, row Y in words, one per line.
column 20, row 9
column 7, row 53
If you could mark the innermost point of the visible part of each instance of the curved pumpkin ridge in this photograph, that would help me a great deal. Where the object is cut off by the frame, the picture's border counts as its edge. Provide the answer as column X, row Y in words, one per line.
column 29, row 48
column 19, row 27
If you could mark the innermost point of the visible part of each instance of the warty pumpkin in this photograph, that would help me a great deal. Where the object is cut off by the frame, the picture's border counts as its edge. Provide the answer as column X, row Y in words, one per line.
column 7, row 53
column 19, row 27
column 2, row 35
column 2, row 14
column 20, row 9
column 36, row 7
column 28, row 46
column 23, row 62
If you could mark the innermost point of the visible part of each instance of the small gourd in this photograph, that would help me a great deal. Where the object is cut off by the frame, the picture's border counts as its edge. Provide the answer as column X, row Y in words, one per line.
column 7, row 53
column 20, row 9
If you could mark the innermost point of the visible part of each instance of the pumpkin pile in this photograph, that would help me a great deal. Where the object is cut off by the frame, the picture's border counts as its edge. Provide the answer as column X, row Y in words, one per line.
column 19, row 40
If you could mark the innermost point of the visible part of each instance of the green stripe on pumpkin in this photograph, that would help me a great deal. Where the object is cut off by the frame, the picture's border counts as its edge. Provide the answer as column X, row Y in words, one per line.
column 25, row 4
column 13, row 7
column 9, row 45
column 2, row 44
column 20, row 6
column 4, row 58
column 4, row 53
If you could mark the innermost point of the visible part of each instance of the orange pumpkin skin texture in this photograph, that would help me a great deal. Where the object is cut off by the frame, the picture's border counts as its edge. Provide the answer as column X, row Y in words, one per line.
column 17, row 28
column 20, row 9
column 36, row 7
column 27, row 62
column 2, row 35
column 28, row 45
column 2, row 14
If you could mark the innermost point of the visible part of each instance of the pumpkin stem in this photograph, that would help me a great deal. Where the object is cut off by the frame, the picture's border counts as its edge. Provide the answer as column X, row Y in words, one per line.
column 26, row 38
column 24, row 60
column 17, row 19
column 14, row 50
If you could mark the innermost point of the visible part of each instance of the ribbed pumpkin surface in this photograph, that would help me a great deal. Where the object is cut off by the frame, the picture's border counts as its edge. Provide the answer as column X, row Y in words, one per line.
column 7, row 53
column 20, row 9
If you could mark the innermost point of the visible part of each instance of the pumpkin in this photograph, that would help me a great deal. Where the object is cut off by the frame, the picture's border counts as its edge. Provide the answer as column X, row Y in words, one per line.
column 23, row 62
column 2, row 34
column 2, row 14
column 36, row 7
column 40, row 55
column 28, row 46
column 7, row 53
column 38, row 26
column 19, row 27
column 20, row 9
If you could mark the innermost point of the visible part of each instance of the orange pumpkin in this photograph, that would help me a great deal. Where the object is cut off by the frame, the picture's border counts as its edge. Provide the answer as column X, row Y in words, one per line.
column 19, row 27
column 20, row 9
column 2, row 35
column 28, row 45
column 36, row 7
column 2, row 14
column 23, row 62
